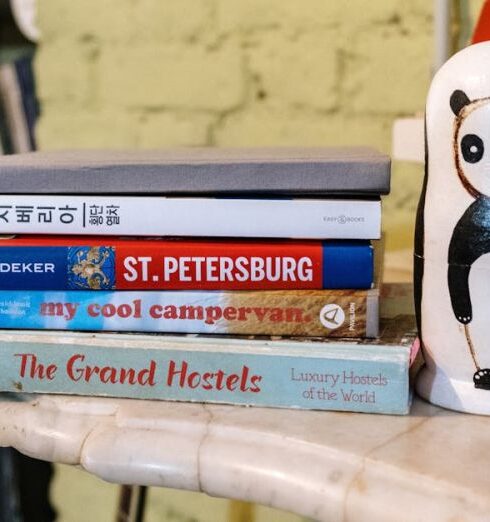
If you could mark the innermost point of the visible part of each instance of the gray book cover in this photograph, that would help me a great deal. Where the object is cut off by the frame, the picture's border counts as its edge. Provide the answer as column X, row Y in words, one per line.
column 344, row 171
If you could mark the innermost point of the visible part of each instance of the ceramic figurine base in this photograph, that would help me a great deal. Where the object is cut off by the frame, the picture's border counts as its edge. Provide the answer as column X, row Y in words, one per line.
column 452, row 243
column 452, row 394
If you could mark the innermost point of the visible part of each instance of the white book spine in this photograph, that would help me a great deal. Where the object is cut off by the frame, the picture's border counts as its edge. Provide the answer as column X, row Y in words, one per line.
column 162, row 216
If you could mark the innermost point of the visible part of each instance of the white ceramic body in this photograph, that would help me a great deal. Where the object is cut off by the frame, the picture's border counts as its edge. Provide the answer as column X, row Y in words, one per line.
column 447, row 379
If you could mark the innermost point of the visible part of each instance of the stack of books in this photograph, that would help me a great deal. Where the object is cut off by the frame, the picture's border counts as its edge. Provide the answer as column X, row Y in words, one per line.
column 266, row 242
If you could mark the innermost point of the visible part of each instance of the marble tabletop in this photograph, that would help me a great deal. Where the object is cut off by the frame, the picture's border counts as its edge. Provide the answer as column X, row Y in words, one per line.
column 433, row 465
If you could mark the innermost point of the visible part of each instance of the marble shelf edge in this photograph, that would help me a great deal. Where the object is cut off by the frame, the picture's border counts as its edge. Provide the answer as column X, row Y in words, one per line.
column 328, row 466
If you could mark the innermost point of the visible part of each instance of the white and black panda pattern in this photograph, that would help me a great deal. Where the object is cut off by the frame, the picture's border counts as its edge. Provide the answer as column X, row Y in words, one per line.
column 471, row 236
column 451, row 265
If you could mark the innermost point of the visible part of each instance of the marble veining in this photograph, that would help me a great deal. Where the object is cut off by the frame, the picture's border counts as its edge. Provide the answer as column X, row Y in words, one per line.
column 332, row 466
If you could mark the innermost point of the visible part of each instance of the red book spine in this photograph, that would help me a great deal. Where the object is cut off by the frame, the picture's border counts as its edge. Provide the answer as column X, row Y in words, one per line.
column 112, row 263
column 179, row 265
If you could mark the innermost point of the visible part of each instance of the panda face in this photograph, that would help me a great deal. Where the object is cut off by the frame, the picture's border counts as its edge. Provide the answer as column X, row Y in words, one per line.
column 472, row 146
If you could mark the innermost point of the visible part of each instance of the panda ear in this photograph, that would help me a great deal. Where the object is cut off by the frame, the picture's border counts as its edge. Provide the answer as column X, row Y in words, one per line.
column 458, row 101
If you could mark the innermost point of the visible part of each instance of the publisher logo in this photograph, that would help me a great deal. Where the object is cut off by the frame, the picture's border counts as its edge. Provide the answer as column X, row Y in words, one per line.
column 332, row 316
column 342, row 219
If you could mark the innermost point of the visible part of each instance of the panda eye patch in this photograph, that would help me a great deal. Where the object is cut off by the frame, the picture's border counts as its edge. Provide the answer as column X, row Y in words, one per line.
column 472, row 148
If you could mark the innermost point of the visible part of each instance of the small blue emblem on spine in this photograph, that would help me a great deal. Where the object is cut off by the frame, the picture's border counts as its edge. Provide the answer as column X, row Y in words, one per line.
column 91, row 268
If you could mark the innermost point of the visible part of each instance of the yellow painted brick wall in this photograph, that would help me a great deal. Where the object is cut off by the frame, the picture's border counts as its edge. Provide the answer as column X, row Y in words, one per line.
column 149, row 73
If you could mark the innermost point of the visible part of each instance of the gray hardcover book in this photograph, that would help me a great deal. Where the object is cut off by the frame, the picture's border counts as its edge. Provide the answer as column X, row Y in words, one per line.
column 352, row 171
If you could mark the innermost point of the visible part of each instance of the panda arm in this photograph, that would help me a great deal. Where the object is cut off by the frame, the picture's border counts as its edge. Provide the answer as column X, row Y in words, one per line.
column 459, row 292
column 469, row 241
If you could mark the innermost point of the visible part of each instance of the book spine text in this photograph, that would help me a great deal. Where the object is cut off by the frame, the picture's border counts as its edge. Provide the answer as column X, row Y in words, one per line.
column 325, row 313
column 338, row 383
column 176, row 265
column 160, row 216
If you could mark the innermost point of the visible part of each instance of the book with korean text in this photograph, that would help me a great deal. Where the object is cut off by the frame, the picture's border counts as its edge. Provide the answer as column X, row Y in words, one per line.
column 191, row 216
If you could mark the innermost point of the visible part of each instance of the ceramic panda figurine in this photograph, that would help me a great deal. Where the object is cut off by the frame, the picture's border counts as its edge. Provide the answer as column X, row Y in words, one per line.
column 452, row 242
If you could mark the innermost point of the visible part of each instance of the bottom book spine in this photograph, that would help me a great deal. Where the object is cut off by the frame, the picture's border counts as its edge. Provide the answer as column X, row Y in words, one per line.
column 376, row 383
column 325, row 313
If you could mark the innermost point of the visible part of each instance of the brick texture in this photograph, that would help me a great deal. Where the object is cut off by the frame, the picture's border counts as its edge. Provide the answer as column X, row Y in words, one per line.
column 158, row 76
column 216, row 72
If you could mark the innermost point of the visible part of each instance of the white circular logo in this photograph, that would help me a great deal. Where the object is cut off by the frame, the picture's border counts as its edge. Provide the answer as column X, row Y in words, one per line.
column 332, row 316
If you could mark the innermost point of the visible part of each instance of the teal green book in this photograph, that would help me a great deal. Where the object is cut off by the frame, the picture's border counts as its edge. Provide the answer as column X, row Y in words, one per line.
column 361, row 375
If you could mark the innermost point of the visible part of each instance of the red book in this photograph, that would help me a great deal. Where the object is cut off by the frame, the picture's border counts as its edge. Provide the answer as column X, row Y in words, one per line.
column 110, row 263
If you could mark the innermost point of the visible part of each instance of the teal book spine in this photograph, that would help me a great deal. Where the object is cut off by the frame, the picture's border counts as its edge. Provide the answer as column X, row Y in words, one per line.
column 310, row 374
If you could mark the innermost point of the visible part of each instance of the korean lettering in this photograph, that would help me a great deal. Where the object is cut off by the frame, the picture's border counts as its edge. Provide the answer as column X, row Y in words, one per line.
column 112, row 216
column 67, row 214
column 23, row 213
column 45, row 214
column 4, row 210
column 96, row 215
